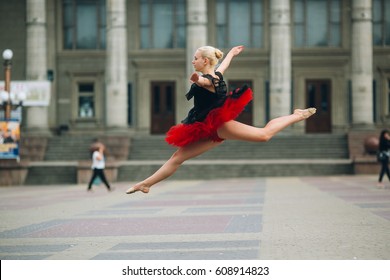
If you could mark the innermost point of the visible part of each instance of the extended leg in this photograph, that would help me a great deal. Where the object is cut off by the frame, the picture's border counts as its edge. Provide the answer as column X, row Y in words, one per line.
column 238, row 131
column 382, row 172
column 169, row 167
column 387, row 169
column 104, row 179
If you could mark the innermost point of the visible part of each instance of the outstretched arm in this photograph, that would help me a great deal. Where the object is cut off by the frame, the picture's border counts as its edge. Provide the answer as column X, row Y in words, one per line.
column 199, row 80
column 226, row 62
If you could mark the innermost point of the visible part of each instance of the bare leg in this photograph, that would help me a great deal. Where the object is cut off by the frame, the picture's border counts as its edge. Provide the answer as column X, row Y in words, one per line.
column 230, row 130
column 169, row 167
column 234, row 130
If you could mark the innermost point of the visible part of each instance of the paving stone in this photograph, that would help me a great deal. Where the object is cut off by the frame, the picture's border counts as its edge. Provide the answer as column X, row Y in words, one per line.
column 322, row 217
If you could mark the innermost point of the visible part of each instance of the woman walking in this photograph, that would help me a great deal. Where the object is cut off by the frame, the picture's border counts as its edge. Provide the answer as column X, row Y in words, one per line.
column 98, row 165
column 383, row 156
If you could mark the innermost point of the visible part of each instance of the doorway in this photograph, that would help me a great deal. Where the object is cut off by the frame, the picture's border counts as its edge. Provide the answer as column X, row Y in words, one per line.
column 318, row 95
column 162, row 107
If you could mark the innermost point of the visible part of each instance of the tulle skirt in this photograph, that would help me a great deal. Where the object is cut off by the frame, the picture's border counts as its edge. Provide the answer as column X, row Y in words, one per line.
column 184, row 134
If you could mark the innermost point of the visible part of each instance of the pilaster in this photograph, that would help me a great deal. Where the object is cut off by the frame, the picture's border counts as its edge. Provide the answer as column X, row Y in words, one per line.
column 196, row 37
column 116, row 67
column 361, row 63
column 280, row 59
column 36, row 60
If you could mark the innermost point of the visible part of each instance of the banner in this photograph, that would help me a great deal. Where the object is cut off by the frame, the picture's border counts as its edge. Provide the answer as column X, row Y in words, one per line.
column 9, row 139
column 37, row 93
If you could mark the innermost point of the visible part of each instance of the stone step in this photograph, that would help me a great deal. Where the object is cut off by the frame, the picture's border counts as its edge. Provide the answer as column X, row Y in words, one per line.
column 318, row 146
column 65, row 172
column 50, row 175
column 69, row 147
column 284, row 155
column 214, row 169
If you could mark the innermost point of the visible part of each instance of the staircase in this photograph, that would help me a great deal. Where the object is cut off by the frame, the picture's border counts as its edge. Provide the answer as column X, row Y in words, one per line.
column 284, row 155
column 60, row 161
column 310, row 146
column 69, row 148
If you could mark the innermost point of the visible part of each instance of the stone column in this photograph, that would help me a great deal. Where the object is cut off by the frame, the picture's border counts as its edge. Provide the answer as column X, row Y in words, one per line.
column 196, row 37
column 36, row 60
column 361, row 63
column 280, row 59
column 116, row 65
column 196, row 29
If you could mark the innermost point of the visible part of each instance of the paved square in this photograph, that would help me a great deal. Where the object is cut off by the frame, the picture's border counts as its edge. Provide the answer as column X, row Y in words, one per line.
column 335, row 217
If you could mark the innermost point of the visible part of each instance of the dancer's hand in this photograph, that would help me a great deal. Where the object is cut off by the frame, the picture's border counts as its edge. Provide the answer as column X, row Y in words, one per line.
column 226, row 62
column 194, row 77
column 237, row 50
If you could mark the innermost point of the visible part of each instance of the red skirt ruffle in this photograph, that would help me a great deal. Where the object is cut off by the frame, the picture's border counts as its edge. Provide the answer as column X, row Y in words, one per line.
column 184, row 134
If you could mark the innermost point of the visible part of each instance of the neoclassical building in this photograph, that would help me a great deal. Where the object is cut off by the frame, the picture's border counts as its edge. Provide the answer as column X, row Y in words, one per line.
column 123, row 65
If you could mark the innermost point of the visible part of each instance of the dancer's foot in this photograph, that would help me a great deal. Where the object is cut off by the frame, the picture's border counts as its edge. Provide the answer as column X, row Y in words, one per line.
column 305, row 113
column 139, row 187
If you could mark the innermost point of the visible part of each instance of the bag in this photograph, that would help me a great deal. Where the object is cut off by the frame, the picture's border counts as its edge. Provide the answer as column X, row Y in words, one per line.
column 97, row 181
column 382, row 155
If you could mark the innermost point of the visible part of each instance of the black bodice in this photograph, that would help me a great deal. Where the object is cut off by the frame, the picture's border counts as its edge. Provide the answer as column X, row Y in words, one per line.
column 205, row 100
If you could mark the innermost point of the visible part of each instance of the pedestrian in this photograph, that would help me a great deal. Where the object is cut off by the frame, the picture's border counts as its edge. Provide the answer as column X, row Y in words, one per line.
column 211, row 120
column 98, row 166
column 383, row 156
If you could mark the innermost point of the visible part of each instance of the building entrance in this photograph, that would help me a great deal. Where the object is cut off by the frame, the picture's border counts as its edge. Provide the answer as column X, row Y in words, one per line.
column 163, row 106
column 318, row 95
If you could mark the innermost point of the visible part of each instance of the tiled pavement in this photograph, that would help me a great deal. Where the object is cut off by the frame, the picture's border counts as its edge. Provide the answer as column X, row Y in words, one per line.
column 343, row 217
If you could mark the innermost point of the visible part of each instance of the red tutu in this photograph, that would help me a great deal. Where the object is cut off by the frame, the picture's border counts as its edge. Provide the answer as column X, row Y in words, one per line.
column 184, row 134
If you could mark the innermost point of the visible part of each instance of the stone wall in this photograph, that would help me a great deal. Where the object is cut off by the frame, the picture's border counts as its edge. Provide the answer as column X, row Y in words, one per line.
column 364, row 159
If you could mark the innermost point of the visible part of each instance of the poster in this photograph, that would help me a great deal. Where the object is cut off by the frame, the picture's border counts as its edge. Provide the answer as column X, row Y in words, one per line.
column 9, row 139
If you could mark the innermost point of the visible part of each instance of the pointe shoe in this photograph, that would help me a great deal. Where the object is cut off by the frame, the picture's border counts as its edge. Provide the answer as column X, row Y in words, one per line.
column 305, row 113
column 137, row 189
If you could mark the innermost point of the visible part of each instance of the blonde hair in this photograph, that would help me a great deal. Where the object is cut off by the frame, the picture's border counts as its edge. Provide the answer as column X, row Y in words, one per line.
column 213, row 54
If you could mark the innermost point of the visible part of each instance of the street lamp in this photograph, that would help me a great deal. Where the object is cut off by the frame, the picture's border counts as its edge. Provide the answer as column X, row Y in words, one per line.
column 7, row 56
column 7, row 96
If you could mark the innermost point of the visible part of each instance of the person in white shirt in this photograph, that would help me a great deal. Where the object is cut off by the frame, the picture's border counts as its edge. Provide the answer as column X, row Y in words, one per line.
column 98, row 165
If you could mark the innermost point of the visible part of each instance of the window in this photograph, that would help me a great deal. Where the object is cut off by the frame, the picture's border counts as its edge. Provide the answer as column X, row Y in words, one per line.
column 84, row 24
column 239, row 22
column 163, row 24
column 317, row 23
column 381, row 22
column 86, row 100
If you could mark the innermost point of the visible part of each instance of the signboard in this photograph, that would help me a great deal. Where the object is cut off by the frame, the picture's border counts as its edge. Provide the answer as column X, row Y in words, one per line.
column 37, row 92
column 9, row 139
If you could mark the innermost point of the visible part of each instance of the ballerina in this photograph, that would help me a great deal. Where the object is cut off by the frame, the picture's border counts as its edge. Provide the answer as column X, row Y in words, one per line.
column 212, row 119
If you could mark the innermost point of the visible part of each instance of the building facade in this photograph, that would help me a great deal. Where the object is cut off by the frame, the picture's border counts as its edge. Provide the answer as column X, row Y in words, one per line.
column 124, row 65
